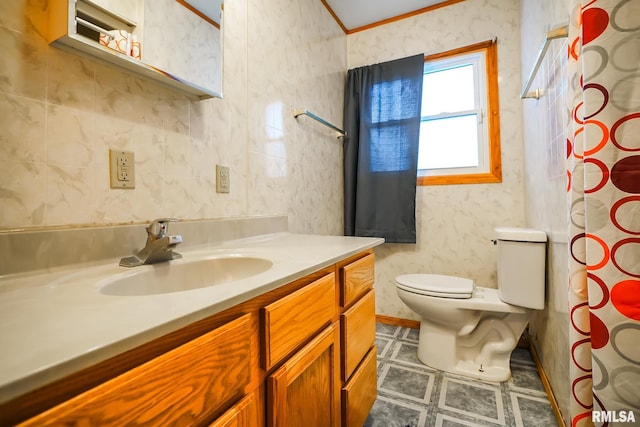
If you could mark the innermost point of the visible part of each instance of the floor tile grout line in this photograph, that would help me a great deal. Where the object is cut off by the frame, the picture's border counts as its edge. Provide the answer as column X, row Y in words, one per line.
column 394, row 403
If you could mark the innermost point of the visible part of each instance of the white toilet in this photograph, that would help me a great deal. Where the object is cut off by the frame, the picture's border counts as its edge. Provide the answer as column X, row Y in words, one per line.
column 470, row 330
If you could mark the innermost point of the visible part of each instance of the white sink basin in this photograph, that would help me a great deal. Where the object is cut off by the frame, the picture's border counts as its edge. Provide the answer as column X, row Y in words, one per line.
column 184, row 275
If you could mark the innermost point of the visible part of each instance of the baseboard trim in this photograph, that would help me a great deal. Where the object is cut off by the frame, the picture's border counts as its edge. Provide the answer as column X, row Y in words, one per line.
column 524, row 342
column 396, row 321
column 547, row 385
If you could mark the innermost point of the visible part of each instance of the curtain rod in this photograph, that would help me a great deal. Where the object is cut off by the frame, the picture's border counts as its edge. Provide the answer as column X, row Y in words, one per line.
column 299, row 112
column 556, row 33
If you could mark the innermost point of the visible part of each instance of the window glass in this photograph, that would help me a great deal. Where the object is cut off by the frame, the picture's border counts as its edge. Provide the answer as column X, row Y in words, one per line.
column 448, row 90
column 449, row 143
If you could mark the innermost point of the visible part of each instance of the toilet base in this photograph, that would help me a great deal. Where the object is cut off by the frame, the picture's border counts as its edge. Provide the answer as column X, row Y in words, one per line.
column 484, row 353
column 473, row 370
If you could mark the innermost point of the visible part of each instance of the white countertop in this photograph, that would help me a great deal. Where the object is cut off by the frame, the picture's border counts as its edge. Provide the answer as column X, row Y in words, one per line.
column 57, row 322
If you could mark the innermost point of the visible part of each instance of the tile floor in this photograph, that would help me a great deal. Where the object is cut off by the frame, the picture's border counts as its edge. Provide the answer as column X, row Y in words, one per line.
column 411, row 394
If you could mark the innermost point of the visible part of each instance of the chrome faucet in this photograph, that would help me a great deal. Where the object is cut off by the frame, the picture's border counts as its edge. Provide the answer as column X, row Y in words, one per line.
column 159, row 247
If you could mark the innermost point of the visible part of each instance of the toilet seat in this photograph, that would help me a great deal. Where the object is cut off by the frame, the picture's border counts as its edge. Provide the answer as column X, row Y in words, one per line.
column 436, row 285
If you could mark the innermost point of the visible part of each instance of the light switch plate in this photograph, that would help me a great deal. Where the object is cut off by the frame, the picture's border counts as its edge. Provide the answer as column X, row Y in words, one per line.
column 223, row 179
column 122, row 169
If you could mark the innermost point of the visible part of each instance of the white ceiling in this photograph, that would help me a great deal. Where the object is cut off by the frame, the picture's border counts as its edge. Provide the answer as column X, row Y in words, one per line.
column 358, row 13
column 207, row 7
column 352, row 13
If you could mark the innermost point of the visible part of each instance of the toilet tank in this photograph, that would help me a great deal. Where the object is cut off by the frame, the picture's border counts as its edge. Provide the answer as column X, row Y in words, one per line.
column 521, row 266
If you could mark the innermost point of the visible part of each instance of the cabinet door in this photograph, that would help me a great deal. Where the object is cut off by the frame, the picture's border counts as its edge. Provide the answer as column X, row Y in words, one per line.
column 304, row 391
column 242, row 414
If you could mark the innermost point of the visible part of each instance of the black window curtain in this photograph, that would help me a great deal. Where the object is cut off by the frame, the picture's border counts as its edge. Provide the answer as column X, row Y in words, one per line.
column 382, row 120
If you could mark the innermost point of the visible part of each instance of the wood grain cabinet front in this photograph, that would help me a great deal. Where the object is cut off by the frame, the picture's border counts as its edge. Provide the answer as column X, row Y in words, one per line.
column 359, row 393
column 356, row 279
column 305, row 390
column 185, row 386
column 358, row 333
column 357, row 338
column 243, row 414
column 292, row 320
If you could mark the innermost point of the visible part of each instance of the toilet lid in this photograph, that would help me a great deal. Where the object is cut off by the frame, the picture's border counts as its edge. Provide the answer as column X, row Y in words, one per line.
column 436, row 285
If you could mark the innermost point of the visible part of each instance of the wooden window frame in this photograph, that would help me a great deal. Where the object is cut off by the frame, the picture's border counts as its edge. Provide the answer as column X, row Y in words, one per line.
column 494, row 173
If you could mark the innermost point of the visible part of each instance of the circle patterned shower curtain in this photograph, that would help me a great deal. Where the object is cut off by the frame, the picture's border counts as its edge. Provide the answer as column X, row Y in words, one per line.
column 603, row 157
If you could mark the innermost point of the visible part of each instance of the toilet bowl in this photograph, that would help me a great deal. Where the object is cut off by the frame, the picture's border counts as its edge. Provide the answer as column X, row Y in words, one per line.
column 471, row 330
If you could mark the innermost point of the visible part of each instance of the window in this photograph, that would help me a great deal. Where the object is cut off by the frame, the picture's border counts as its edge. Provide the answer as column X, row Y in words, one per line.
column 459, row 129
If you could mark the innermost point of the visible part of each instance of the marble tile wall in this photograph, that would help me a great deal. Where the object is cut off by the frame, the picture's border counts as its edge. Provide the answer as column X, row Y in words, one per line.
column 546, row 182
column 60, row 113
column 180, row 42
column 297, row 166
column 454, row 222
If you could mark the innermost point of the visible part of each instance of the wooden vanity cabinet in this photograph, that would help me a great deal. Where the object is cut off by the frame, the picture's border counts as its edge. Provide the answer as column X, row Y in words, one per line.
column 185, row 386
column 357, row 338
column 300, row 355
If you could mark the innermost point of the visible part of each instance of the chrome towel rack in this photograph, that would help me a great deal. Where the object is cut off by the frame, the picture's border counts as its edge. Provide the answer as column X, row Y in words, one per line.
column 302, row 112
column 556, row 33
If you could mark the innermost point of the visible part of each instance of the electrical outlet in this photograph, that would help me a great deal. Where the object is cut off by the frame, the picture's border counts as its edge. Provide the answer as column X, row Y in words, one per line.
column 122, row 169
column 223, row 180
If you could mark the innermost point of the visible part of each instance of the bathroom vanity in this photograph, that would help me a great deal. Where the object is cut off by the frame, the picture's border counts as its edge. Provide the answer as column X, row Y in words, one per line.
column 294, row 346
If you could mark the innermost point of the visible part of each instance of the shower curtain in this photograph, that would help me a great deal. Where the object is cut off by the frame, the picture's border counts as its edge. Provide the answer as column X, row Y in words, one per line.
column 604, row 203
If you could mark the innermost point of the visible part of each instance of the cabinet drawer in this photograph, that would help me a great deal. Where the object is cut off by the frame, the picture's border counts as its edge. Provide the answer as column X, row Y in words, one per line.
column 355, row 279
column 186, row 385
column 359, row 394
column 358, row 332
column 291, row 320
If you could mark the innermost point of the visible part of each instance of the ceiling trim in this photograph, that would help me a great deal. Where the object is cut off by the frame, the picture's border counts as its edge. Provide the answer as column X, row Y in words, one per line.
column 326, row 5
column 199, row 13
column 443, row 3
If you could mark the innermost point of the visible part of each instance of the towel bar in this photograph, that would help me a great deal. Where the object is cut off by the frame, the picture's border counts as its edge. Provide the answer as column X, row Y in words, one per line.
column 94, row 27
column 299, row 112
column 556, row 33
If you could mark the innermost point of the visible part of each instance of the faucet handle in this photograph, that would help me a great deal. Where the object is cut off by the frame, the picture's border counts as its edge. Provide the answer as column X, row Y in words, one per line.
column 159, row 227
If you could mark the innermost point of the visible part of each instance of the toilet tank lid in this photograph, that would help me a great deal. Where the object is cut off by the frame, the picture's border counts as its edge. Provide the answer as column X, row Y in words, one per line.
column 516, row 234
